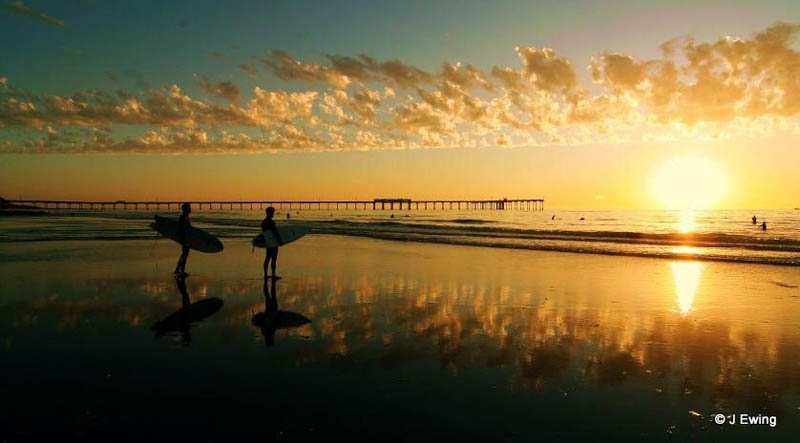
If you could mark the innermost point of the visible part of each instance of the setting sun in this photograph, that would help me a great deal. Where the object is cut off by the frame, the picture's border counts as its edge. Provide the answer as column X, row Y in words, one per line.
column 689, row 182
column 523, row 204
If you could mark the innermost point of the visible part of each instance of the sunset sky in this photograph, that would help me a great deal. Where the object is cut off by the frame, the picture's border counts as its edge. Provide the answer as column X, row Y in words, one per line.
column 581, row 103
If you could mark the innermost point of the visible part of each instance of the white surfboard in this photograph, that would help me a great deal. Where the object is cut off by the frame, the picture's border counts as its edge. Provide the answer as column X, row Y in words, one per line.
column 289, row 233
column 196, row 238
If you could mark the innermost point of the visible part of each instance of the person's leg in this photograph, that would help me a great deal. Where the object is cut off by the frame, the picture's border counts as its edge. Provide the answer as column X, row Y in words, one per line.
column 180, row 263
column 181, row 267
column 274, row 261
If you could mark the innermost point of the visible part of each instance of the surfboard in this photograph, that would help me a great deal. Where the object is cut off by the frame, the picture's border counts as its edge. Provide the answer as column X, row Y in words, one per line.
column 280, row 319
column 289, row 233
column 196, row 238
column 185, row 317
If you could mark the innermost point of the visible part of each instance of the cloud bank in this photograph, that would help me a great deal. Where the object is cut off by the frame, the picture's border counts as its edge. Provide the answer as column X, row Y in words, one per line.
column 21, row 9
column 695, row 89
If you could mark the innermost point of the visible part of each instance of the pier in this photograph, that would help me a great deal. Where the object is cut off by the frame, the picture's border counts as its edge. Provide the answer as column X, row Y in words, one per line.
column 377, row 204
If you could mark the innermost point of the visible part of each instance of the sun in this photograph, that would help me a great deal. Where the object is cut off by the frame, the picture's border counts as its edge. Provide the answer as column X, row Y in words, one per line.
column 689, row 182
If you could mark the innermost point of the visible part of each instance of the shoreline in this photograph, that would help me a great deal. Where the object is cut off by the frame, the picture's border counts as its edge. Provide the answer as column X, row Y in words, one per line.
column 465, row 243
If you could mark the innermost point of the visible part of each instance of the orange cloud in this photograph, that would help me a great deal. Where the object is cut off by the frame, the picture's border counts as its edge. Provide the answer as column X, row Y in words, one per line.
column 695, row 89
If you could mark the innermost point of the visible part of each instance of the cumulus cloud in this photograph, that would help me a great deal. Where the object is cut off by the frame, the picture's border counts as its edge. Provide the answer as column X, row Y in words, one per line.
column 546, row 70
column 694, row 89
column 21, row 9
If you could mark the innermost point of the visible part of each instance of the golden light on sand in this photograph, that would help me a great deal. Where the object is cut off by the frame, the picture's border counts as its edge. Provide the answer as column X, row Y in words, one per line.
column 687, row 183
column 686, row 275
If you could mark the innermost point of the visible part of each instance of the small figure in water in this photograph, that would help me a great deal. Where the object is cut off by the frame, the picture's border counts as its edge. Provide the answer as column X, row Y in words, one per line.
column 268, row 225
column 288, row 216
column 755, row 220
column 553, row 217
column 764, row 226
column 183, row 227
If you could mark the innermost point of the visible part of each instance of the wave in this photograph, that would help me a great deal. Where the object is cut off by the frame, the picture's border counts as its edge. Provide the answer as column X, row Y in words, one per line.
column 459, row 231
column 668, row 239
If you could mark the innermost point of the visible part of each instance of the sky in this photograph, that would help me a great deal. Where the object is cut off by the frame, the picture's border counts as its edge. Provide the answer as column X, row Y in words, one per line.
column 580, row 103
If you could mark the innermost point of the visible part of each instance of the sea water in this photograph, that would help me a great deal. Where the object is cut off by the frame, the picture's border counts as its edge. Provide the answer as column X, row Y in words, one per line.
column 725, row 235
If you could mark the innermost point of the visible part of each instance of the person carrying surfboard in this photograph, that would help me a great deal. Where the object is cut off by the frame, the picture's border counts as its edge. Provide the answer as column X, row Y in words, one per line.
column 268, row 225
column 183, row 227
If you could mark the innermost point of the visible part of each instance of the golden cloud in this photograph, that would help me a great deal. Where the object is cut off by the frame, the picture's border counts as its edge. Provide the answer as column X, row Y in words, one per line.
column 359, row 102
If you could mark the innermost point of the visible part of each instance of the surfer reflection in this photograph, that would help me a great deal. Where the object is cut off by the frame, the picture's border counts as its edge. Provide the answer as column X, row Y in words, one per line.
column 268, row 224
column 272, row 318
column 181, row 321
column 183, row 227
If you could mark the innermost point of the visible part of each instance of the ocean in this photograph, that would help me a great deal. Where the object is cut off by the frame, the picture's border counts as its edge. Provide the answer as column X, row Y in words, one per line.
column 722, row 235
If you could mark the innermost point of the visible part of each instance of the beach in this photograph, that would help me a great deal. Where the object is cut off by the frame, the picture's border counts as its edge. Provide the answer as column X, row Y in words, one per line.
column 406, row 341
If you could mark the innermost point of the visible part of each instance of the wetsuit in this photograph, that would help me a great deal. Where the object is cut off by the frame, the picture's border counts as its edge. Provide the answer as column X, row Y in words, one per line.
column 183, row 228
column 268, row 225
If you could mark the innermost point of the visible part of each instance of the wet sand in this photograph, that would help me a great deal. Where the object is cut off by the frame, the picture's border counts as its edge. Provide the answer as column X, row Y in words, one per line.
column 407, row 341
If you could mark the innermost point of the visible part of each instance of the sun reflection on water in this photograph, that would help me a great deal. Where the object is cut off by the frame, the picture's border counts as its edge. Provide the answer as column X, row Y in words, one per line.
column 686, row 221
column 686, row 275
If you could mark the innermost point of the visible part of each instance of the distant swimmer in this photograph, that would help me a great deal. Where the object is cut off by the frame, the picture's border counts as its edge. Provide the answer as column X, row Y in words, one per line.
column 553, row 217
column 764, row 226
column 183, row 227
column 583, row 218
column 268, row 224
column 755, row 220
column 288, row 216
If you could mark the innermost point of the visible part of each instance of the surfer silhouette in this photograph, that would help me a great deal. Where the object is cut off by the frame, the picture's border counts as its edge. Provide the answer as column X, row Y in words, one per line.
column 755, row 220
column 272, row 319
column 180, row 322
column 764, row 226
column 183, row 227
column 266, row 320
column 268, row 225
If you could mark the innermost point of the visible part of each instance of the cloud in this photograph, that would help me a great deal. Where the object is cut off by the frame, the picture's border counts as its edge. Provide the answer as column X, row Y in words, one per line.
column 249, row 69
column 286, row 67
column 618, row 71
column 21, row 9
column 547, row 71
column 728, row 87
column 227, row 90
column 341, row 71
